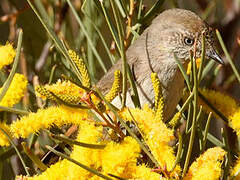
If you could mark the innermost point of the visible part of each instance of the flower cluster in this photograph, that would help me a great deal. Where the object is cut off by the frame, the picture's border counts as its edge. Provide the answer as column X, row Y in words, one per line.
column 7, row 54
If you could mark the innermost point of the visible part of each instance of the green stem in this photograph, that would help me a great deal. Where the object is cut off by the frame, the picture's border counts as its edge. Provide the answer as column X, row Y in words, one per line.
column 71, row 141
column 18, row 153
column 195, row 107
column 206, row 132
column 14, row 110
column 228, row 55
column 78, row 163
column 142, row 146
column 14, row 68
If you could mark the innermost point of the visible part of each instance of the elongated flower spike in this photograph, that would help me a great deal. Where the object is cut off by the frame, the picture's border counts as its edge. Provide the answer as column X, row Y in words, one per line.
column 116, row 87
column 159, row 103
column 44, row 93
column 81, row 68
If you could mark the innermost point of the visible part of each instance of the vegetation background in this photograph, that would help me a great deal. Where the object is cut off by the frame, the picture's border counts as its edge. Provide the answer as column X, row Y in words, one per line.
column 94, row 42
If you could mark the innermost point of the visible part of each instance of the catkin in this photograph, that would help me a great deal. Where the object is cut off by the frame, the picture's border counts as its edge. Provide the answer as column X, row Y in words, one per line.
column 81, row 68
column 116, row 87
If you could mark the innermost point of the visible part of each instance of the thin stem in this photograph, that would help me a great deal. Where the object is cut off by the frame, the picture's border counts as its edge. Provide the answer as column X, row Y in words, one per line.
column 193, row 131
column 87, row 36
column 72, row 141
column 122, row 51
column 14, row 68
column 179, row 151
column 206, row 132
column 14, row 110
column 78, row 163
column 18, row 153
column 129, row 130
column 235, row 71
column 33, row 157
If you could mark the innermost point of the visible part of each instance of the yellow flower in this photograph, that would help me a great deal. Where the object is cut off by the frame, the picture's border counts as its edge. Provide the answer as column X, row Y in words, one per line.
column 159, row 104
column 3, row 138
column 15, row 91
column 234, row 121
column 81, row 68
column 207, row 166
column 175, row 120
column 121, row 158
column 57, row 171
column 236, row 170
column 156, row 135
column 116, row 87
column 88, row 133
column 143, row 172
column 63, row 88
column 7, row 54
column 198, row 62
column 225, row 104
column 45, row 118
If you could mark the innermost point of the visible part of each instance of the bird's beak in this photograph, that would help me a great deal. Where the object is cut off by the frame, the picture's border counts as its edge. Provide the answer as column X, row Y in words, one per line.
column 213, row 55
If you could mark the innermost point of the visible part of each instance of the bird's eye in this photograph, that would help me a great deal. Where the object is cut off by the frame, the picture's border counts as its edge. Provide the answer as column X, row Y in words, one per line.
column 188, row 41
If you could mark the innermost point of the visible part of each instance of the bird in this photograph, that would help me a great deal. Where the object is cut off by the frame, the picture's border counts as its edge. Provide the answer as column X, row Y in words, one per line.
column 172, row 33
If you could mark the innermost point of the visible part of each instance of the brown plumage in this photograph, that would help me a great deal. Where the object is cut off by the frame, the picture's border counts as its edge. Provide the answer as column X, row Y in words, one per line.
column 173, row 31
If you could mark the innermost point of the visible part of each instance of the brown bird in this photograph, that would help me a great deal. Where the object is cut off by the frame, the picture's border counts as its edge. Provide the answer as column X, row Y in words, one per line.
column 171, row 32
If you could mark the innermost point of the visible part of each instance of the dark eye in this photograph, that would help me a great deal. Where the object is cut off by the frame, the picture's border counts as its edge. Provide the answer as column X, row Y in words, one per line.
column 188, row 41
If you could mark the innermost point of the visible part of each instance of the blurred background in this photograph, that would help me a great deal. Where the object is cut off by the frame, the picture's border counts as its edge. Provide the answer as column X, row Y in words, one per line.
column 94, row 42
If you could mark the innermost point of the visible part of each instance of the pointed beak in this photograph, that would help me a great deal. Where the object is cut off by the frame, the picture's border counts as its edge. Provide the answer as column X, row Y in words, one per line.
column 213, row 55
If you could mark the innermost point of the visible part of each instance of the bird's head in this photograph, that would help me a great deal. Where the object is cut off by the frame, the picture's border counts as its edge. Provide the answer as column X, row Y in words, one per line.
column 180, row 31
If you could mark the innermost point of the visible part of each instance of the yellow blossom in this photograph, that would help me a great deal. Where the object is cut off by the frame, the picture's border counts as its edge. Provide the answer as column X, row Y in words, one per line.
column 88, row 133
column 234, row 121
column 225, row 104
column 3, row 138
column 116, row 87
column 81, row 68
column 15, row 91
column 207, row 166
column 121, row 158
column 145, row 173
column 7, row 54
column 45, row 118
column 157, row 90
column 57, row 171
column 198, row 62
column 63, row 88
column 156, row 134
column 235, row 172
column 175, row 120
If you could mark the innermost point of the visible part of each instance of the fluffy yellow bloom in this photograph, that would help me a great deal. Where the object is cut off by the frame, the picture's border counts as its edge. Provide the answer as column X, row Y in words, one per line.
column 7, row 54
column 88, row 133
column 207, row 166
column 145, row 173
column 121, row 159
column 3, row 138
column 222, row 102
column 15, row 91
column 226, row 105
column 57, row 171
column 198, row 62
column 63, row 88
column 236, row 170
column 234, row 121
column 45, row 118
column 156, row 134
